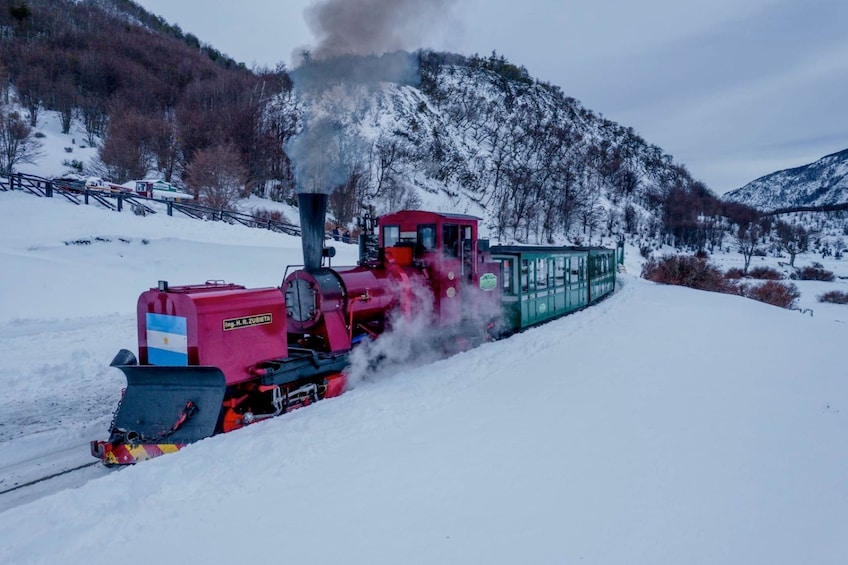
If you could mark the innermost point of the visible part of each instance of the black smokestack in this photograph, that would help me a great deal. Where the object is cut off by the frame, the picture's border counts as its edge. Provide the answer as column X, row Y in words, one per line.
column 313, row 208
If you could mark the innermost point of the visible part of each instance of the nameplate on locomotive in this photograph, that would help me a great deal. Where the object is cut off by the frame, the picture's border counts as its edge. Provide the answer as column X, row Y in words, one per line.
column 247, row 321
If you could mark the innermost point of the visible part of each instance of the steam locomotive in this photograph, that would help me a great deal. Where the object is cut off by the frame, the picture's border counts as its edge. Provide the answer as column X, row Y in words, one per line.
column 215, row 357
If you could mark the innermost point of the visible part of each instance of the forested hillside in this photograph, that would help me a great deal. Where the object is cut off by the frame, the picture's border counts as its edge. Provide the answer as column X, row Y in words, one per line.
column 151, row 96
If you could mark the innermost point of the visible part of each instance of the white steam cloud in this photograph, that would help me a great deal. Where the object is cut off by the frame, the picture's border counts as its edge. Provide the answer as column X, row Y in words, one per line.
column 416, row 338
column 410, row 341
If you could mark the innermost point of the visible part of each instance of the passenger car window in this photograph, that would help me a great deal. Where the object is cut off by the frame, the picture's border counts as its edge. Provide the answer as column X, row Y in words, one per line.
column 525, row 267
column 506, row 276
column 542, row 273
column 559, row 271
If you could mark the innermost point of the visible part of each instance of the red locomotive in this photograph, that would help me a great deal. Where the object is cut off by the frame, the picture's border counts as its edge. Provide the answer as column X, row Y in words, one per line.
column 215, row 357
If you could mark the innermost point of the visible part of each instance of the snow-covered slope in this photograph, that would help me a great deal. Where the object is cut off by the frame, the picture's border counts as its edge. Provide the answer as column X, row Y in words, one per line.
column 664, row 425
column 816, row 184
column 532, row 162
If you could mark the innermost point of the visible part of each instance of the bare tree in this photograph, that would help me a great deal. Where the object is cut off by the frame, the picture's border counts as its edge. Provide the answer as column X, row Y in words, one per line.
column 388, row 155
column 94, row 117
column 5, row 85
column 218, row 176
column 839, row 247
column 346, row 198
column 747, row 239
column 65, row 99
column 17, row 144
column 631, row 219
column 166, row 145
column 31, row 86
column 713, row 231
column 126, row 153
column 792, row 240
column 590, row 215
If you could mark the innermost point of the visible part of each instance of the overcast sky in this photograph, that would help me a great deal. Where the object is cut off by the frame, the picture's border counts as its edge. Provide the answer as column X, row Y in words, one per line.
column 733, row 90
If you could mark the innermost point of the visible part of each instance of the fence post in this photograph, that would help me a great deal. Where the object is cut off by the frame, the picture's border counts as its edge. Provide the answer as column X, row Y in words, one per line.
column 85, row 194
column 49, row 189
column 120, row 202
column 20, row 177
column 170, row 208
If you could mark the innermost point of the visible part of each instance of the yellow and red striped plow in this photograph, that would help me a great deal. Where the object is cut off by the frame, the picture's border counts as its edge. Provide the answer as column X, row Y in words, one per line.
column 124, row 454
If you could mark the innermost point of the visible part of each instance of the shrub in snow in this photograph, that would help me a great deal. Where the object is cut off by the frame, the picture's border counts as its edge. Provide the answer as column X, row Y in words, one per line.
column 814, row 272
column 759, row 273
column 685, row 270
column 734, row 273
column 765, row 274
column 273, row 215
column 75, row 164
column 775, row 293
column 834, row 297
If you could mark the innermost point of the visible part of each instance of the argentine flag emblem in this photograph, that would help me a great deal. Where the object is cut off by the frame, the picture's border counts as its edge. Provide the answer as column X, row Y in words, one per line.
column 167, row 343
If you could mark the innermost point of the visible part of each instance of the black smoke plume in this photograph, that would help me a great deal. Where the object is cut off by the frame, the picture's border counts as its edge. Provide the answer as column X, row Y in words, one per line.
column 373, row 27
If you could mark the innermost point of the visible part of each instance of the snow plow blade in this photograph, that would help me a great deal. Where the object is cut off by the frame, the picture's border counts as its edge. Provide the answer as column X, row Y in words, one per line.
column 162, row 410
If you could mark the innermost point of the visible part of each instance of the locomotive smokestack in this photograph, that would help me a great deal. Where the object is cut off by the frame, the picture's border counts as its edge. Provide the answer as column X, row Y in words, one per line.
column 313, row 208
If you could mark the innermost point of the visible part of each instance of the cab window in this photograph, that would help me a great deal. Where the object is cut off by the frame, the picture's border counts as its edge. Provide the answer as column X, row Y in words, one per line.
column 391, row 235
column 450, row 240
column 426, row 238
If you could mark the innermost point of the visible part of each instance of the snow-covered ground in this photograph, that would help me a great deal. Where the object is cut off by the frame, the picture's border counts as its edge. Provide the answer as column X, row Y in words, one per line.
column 58, row 150
column 664, row 425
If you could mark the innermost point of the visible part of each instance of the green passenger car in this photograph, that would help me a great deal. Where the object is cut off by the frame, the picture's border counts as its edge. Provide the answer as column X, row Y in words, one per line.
column 542, row 283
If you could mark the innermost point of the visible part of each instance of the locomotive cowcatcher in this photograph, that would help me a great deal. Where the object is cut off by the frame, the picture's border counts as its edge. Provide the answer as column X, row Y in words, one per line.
column 215, row 357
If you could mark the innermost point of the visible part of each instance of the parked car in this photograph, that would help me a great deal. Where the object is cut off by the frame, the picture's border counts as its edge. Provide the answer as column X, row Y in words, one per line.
column 74, row 183
column 154, row 188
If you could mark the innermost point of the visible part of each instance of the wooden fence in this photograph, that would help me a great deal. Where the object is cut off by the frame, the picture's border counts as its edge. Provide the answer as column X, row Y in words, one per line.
column 77, row 193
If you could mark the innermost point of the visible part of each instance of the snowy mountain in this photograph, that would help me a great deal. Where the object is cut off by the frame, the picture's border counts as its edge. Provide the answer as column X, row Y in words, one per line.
column 481, row 134
column 817, row 184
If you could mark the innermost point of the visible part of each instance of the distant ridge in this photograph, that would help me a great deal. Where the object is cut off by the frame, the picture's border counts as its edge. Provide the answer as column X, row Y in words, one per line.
column 822, row 183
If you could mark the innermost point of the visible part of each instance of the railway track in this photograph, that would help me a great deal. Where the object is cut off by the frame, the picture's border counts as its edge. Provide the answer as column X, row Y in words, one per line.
column 43, row 474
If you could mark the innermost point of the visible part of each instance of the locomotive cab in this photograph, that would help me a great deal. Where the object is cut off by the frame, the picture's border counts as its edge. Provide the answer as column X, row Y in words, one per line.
column 446, row 250
column 419, row 263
